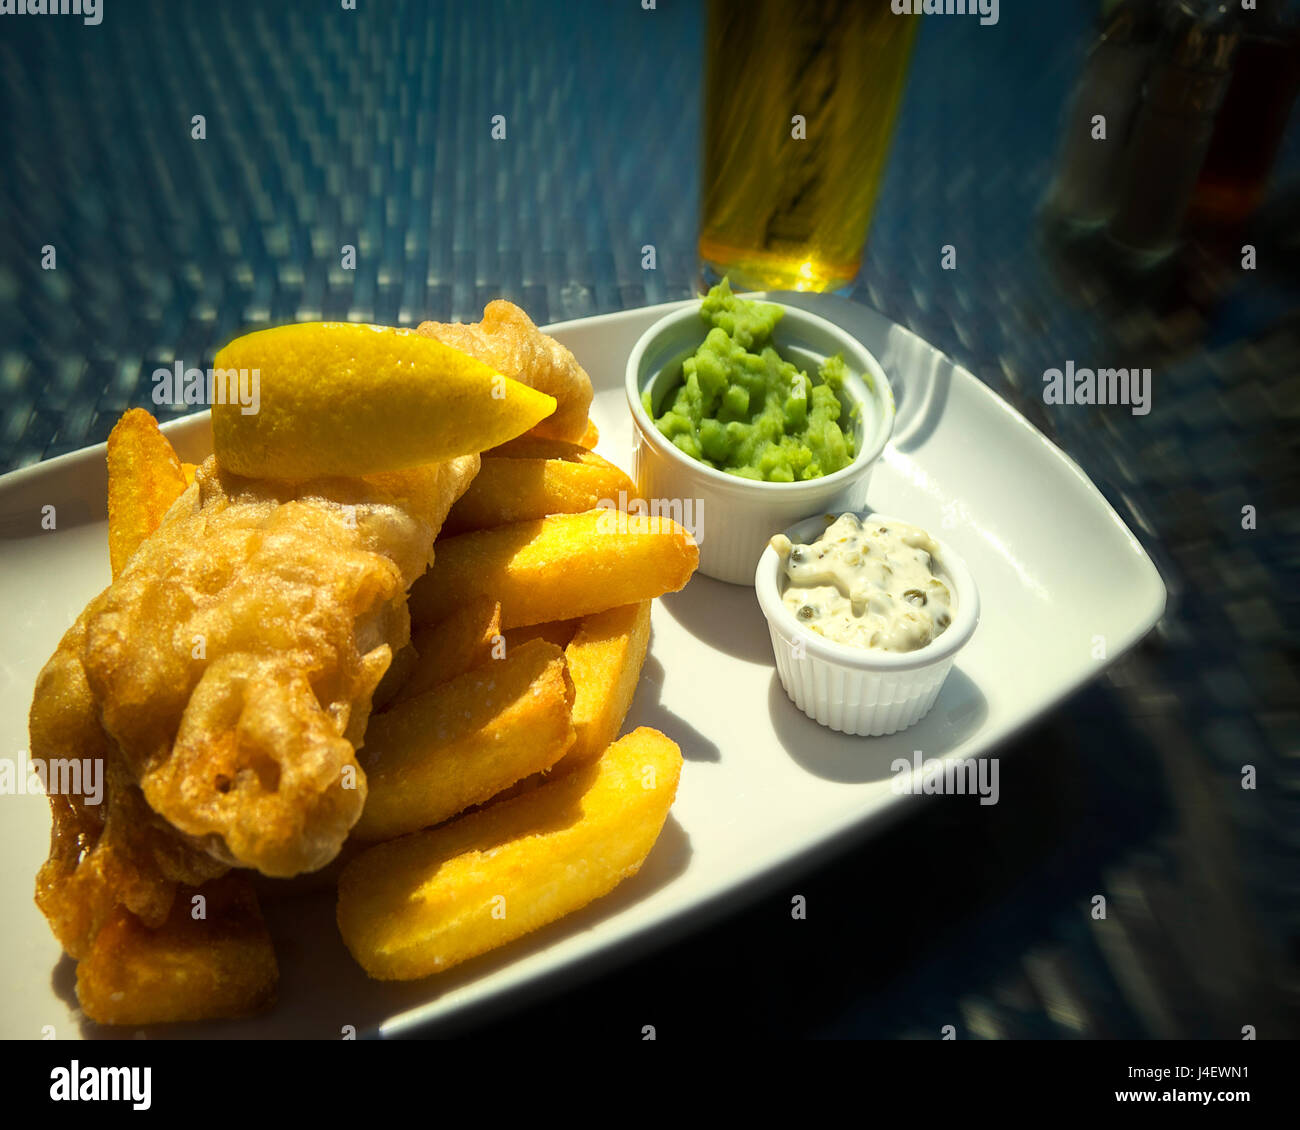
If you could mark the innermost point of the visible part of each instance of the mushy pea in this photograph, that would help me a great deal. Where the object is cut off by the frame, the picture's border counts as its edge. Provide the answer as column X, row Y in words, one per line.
column 742, row 409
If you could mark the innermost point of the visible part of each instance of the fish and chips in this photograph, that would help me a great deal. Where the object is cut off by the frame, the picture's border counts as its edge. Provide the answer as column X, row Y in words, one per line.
column 389, row 626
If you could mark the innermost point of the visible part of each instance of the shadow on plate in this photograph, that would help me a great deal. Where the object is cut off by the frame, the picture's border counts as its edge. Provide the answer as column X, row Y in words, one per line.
column 63, row 980
column 954, row 719
column 22, row 519
column 726, row 617
column 648, row 710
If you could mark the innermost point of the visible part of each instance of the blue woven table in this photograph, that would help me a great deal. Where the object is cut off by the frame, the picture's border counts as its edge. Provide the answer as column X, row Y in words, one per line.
column 371, row 128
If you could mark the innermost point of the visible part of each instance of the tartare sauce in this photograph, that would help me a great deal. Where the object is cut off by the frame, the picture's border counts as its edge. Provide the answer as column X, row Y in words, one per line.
column 868, row 584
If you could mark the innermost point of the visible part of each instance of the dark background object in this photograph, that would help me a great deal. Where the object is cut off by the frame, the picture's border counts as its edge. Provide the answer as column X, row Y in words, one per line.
column 327, row 127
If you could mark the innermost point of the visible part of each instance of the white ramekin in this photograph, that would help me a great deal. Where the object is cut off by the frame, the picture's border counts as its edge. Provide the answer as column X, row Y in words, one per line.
column 856, row 690
column 734, row 517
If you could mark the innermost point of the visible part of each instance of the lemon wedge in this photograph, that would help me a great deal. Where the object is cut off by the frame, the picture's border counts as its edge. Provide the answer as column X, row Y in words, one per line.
column 343, row 398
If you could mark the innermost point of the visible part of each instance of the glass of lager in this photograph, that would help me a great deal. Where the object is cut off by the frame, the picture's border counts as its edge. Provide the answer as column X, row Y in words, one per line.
column 800, row 102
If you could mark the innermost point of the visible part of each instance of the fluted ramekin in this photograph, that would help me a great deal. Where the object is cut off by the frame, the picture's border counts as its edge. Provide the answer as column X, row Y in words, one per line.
column 860, row 690
column 734, row 517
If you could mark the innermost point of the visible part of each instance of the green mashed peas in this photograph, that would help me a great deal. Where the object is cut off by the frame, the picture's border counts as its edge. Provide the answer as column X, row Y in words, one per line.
column 742, row 409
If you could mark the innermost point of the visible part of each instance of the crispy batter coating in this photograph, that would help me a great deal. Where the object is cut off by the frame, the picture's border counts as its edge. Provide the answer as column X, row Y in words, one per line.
column 116, row 853
column 224, row 680
column 234, row 660
column 508, row 340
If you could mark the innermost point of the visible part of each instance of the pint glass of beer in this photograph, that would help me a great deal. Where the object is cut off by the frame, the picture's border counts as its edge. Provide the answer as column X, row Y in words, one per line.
column 800, row 101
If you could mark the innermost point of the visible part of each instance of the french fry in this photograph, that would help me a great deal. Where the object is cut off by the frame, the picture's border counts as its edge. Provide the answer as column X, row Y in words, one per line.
column 457, row 644
column 144, row 478
column 557, row 568
column 216, row 967
column 529, row 446
column 395, row 678
column 426, row 902
column 558, row 632
column 514, row 490
column 545, row 430
column 433, row 756
column 604, row 658
column 604, row 653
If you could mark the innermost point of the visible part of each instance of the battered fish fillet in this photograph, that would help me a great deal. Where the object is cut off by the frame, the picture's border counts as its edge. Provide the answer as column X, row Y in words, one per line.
column 508, row 340
column 116, row 853
column 226, row 678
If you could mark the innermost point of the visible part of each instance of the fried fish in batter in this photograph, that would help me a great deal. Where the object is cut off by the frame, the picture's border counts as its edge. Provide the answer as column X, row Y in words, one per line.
column 231, row 665
column 118, row 853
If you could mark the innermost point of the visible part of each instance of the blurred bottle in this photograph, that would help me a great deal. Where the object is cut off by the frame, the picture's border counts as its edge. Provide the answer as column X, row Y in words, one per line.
column 787, row 206
column 1173, row 128
column 1085, row 189
column 1252, row 120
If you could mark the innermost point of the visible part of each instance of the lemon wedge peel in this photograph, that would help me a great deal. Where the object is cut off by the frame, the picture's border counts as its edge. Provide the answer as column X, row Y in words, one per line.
column 345, row 398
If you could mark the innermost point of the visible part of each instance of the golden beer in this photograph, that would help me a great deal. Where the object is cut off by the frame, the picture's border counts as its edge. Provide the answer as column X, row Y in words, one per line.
column 800, row 101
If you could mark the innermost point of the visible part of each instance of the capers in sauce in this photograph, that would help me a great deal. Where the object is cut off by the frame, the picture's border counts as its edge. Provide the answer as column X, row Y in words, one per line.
column 867, row 585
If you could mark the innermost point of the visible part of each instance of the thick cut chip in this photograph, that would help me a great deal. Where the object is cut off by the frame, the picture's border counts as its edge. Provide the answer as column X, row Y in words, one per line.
column 591, row 436
column 144, row 478
column 507, row 340
column 395, row 678
column 558, row 632
column 514, row 490
column 529, row 446
column 457, row 644
column 559, row 567
column 462, row 743
column 215, row 967
column 605, row 658
column 604, row 653
column 426, row 902
column 337, row 398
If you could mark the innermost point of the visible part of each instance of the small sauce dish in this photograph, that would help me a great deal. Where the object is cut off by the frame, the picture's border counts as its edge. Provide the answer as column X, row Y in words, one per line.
column 862, row 690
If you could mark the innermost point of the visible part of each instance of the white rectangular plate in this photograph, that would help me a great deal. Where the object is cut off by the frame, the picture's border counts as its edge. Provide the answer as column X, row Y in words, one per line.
column 764, row 788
